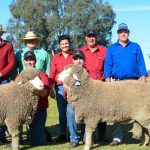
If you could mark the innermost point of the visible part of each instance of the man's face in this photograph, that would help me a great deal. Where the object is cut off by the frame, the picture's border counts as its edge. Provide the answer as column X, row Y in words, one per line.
column 64, row 45
column 91, row 40
column 29, row 62
column 78, row 61
column 123, row 35
column 31, row 44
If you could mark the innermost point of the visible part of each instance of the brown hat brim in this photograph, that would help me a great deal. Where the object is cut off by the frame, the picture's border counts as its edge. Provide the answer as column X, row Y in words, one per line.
column 34, row 38
column 1, row 31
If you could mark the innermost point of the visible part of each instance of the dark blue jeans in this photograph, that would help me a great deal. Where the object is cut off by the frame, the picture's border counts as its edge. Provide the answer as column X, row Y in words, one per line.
column 37, row 128
column 62, row 108
column 3, row 127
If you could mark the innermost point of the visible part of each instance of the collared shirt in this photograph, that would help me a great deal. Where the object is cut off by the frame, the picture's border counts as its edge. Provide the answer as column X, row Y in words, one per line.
column 58, row 64
column 7, row 58
column 43, row 101
column 124, row 62
column 42, row 59
column 95, row 61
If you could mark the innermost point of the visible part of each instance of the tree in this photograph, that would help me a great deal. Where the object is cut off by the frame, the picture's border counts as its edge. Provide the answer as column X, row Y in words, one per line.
column 52, row 18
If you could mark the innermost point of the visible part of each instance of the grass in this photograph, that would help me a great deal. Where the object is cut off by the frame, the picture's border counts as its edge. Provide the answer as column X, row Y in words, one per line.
column 52, row 125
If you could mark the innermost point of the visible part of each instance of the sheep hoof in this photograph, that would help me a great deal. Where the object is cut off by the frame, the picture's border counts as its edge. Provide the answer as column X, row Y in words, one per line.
column 87, row 148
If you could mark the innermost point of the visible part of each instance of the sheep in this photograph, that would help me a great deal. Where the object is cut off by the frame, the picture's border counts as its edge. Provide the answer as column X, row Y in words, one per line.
column 18, row 102
column 116, row 102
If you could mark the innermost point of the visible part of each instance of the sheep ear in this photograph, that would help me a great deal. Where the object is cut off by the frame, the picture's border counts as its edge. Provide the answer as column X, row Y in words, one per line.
column 19, row 82
column 75, row 77
column 78, row 83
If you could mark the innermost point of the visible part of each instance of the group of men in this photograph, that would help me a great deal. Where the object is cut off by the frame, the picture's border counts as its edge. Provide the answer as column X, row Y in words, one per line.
column 123, row 60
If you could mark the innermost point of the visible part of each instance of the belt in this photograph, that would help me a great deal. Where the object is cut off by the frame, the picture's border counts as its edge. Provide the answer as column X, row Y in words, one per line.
column 116, row 79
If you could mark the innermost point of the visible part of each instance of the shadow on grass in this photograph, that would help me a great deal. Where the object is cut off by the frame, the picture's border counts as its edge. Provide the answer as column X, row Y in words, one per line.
column 127, row 135
column 54, row 130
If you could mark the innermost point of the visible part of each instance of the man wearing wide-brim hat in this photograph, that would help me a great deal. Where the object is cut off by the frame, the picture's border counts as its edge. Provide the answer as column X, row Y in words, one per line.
column 7, row 63
column 32, row 43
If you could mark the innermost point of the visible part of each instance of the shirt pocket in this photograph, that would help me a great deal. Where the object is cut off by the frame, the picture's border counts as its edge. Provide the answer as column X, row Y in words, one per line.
column 132, row 56
column 40, row 63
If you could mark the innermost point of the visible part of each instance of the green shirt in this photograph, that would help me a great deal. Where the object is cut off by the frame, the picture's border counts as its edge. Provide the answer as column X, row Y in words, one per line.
column 42, row 59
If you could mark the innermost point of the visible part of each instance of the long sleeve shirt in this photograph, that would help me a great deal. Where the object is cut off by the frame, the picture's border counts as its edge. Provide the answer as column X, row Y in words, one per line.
column 58, row 64
column 7, row 58
column 95, row 61
column 124, row 62
column 42, row 59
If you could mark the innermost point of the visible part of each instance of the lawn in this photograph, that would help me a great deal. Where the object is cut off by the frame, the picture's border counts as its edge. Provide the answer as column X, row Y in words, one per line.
column 52, row 125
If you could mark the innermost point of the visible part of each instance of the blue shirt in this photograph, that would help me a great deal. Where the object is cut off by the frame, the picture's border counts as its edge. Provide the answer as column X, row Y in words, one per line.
column 124, row 62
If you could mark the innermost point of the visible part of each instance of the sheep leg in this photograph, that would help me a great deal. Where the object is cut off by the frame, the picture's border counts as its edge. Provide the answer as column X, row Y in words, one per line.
column 14, row 132
column 88, row 141
column 145, row 138
column 136, row 131
column 90, row 124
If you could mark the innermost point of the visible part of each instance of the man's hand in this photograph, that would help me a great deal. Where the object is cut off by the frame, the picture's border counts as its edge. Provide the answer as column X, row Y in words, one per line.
column 52, row 94
column 143, row 79
column 1, row 75
column 108, row 80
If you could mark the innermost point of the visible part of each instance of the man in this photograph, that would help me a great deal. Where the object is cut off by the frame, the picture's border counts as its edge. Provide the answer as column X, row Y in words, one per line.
column 124, row 61
column 42, row 56
column 38, row 132
column 7, row 63
column 95, row 56
column 78, row 59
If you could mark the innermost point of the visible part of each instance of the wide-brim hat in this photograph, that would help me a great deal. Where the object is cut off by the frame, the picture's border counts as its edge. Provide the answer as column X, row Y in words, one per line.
column 31, row 36
column 1, row 29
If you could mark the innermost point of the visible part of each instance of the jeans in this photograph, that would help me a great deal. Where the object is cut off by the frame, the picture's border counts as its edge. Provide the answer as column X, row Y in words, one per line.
column 72, row 125
column 118, row 134
column 62, row 108
column 3, row 127
column 37, row 128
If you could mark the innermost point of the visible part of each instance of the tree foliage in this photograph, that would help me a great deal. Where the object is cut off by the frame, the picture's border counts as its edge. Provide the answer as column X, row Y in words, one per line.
column 52, row 18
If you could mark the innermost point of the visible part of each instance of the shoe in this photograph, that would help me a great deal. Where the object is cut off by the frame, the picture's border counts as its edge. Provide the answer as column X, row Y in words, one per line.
column 114, row 143
column 7, row 145
column 4, row 141
column 49, row 137
column 73, row 144
column 61, row 138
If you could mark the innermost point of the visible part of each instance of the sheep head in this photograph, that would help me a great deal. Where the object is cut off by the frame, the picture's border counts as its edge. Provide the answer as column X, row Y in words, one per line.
column 31, row 75
column 73, row 75
column 28, row 74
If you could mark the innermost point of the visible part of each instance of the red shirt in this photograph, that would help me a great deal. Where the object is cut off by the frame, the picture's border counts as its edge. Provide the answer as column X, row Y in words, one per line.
column 95, row 61
column 7, row 58
column 43, row 101
column 57, row 66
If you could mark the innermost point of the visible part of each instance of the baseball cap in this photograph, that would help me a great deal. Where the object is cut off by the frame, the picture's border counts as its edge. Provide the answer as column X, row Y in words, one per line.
column 123, row 26
column 90, row 32
column 78, row 53
column 29, row 54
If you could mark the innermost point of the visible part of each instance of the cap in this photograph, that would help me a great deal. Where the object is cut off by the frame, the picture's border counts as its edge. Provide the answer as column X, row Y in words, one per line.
column 78, row 53
column 123, row 26
column 90, row 32
column 29, row 54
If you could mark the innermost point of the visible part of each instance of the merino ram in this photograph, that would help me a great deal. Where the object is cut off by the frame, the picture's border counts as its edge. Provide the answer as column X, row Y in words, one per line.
column 95, row 101
column 18, row 102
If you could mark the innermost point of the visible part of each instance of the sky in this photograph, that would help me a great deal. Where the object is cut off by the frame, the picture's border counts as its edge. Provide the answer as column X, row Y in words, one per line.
column 135, row 13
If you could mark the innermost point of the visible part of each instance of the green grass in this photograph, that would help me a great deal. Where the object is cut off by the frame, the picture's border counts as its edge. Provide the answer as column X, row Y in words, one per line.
column 52, row 125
